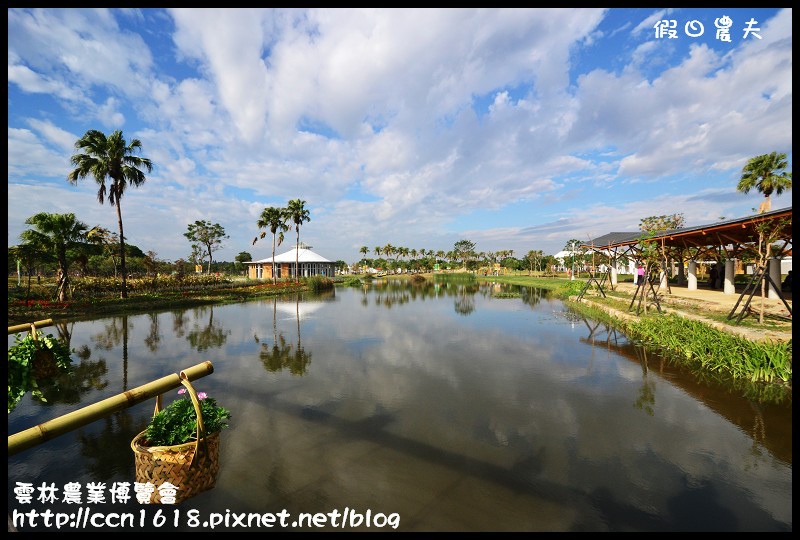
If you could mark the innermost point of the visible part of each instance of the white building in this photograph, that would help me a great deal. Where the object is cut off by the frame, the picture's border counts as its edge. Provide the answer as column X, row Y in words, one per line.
column 311, row 264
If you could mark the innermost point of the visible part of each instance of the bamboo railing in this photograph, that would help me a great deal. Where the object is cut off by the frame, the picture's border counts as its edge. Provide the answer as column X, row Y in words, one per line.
column 63, row 424
column 27, row 326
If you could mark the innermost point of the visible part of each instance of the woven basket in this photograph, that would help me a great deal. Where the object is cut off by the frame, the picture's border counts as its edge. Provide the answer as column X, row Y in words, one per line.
column 43, row 363
column 192, row 467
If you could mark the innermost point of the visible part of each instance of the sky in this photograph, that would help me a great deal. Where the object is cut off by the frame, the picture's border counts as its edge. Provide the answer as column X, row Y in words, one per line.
column 514, row 129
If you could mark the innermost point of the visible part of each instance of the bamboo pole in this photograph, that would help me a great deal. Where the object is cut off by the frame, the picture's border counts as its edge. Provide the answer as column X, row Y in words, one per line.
column 27, row 326
column 70, row 421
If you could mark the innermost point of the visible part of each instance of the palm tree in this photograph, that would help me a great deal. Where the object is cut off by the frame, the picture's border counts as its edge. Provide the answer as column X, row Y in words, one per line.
column 114, row 158
column 274, row 219
column 298, row 214
column 767, row 174
column 56, row 233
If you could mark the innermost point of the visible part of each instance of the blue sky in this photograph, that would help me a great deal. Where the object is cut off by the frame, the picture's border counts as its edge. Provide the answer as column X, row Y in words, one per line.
column 515, row 129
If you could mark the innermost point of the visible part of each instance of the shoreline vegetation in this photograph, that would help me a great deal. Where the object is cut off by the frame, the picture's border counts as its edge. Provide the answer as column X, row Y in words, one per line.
column 760, row 368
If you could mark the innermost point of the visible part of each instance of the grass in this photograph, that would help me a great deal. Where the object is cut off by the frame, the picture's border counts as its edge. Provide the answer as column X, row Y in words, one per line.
column 38, row 304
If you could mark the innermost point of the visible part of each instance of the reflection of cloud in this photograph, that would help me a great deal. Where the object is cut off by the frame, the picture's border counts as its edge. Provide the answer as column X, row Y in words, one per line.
column 304, row 309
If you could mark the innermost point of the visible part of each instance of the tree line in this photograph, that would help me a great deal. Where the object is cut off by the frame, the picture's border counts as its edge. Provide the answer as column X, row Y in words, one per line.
column 56, row 240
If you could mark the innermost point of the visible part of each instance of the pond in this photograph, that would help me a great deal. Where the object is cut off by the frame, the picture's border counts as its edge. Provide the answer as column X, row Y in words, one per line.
column 443, row 407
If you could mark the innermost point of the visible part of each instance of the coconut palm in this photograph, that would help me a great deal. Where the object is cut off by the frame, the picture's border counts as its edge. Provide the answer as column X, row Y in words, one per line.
column 767, row 174
column 56, row 233
column 110, row 157
column 298, row 214
column 274, row 219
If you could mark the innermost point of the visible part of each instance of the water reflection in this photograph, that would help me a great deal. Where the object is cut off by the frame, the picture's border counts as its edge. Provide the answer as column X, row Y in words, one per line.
column 519, row 415
column 751, row 416
column 204, row 336
column 282, row 355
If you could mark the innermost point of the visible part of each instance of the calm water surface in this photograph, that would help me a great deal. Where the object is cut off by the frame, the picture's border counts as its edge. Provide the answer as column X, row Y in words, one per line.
column 437, row 408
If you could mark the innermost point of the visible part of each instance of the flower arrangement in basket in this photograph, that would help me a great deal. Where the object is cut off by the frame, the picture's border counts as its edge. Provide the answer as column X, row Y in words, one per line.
column 181, row 445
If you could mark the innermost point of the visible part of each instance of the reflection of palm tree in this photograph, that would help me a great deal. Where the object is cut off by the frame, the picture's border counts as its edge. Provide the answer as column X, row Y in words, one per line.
column 277, row 356
column 108, row 451
column 178, row 322
column 116, row 332
column 124, row 352
column 758, row 433
column 298, row 363
column 212, row 335
column 154, row 336
column 532, row 295
column 280, row 355
column 300, row 360
column 64, row 333
column 465, row 301
column 647, row 393
column 69, row 387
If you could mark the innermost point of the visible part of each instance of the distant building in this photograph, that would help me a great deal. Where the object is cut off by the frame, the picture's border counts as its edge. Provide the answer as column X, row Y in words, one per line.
column 564, row 262
column 311, row 264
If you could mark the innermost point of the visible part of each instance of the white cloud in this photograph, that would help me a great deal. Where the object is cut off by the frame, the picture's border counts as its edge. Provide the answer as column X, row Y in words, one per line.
column 406, row 126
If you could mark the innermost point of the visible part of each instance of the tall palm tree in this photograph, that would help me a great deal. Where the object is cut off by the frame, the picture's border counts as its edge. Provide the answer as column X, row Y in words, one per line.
column 110, row 157
column 274, row 219
column 298, row 214
column 56, row 233
column 767, row 174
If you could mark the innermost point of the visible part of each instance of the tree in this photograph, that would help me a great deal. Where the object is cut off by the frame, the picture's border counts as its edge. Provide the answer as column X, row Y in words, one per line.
column 655, row 224
column 298, row 214
column 768, row 233
column 28, row 256
column 110, row 157
column 108, row 242
column 150, row 262
column 205, row 235
column 572, row 245
column 463, row 250
column 243, row 257
column 275, row 220
column 56, row 233
column 534, row 259
column 767, row 174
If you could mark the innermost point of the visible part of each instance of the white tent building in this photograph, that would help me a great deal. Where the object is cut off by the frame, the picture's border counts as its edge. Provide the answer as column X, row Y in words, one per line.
column 311, row 264
column 564, row 262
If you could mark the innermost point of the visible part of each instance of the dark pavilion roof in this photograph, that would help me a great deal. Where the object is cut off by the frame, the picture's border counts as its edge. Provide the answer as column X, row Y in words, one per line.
column 732, row 236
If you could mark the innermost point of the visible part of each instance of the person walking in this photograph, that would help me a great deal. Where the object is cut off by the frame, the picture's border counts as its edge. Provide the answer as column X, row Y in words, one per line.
column 712, row 276
column 639, row 275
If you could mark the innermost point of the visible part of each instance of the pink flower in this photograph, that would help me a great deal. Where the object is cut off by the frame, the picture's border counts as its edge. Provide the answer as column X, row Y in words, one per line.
column 202, row 395
column 182, row 391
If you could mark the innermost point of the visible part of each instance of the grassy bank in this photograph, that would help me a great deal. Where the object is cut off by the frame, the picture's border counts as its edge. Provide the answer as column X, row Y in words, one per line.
column 762, row 368
column 37, row 303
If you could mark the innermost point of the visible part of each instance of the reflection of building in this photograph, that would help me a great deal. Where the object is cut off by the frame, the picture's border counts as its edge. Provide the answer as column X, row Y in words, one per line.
column 295, row 309
column 311, row 264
